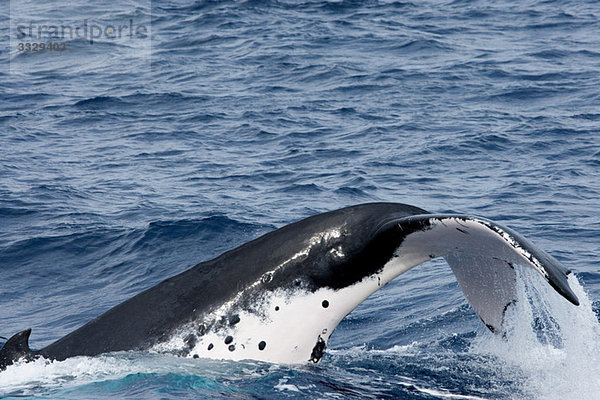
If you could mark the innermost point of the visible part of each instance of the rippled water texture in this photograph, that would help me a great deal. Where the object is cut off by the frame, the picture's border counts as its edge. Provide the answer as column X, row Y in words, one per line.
column 125, row 162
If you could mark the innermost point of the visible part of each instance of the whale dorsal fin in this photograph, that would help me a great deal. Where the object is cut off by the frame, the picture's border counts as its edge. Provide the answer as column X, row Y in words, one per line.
column 15, row 348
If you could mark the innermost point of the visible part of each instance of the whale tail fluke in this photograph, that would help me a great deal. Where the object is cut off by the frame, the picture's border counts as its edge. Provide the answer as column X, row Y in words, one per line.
column 16, row 348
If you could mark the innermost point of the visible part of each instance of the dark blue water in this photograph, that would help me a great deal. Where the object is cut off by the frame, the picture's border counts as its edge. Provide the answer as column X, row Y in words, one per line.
column 123, row 162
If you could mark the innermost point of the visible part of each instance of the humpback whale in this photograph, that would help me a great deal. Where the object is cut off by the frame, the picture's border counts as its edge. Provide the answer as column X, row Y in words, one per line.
column 279, row 297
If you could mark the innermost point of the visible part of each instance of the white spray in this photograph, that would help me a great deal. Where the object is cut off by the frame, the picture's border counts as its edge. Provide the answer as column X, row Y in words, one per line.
column 554, row 344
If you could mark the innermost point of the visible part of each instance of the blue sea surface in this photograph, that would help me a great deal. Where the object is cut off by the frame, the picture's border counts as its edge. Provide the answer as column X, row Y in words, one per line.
column 124, row 162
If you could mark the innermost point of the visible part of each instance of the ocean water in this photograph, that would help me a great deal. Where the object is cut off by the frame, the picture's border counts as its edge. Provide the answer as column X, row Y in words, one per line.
column 124, row 161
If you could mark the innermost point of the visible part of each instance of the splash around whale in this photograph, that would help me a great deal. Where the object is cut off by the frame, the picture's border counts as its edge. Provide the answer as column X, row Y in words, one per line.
column 279, row 297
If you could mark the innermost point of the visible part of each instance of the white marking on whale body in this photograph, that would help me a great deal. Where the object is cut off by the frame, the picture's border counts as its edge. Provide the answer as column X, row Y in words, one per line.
column 289, row 323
